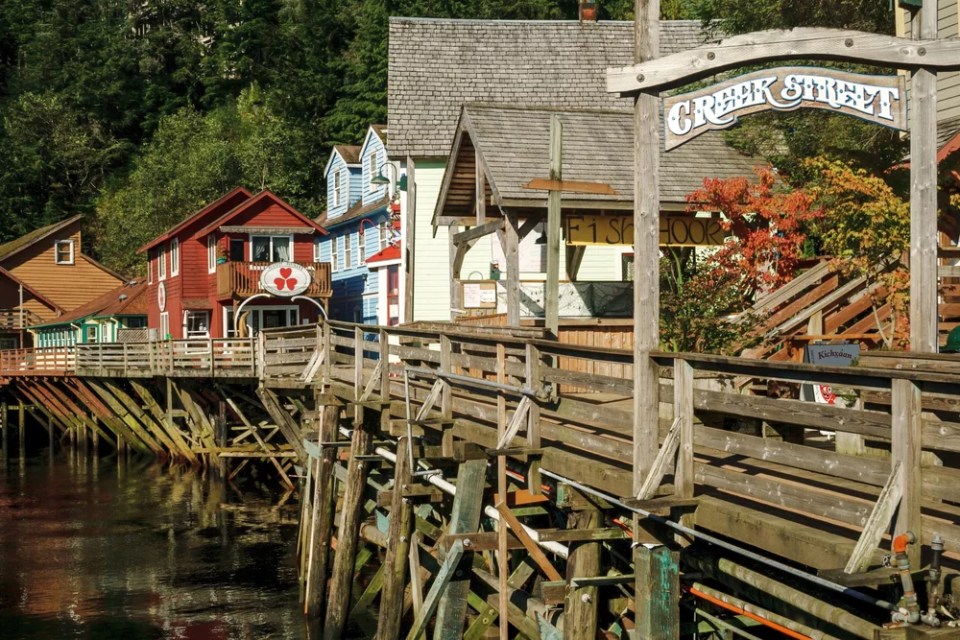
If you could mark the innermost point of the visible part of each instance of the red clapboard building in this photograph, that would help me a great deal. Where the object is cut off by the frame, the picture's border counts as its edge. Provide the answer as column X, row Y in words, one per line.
column 242, row 263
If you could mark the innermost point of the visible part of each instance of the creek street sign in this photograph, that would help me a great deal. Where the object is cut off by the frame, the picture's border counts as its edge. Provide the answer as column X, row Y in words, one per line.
column 878, row 99
column 285, row 279
column 675, row 230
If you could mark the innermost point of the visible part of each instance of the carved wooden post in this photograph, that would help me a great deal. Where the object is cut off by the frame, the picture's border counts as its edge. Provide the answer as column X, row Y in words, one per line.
column 923, row 193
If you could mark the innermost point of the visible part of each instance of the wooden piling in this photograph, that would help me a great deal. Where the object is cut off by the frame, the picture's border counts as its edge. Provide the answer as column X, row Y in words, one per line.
column 395, row 563
column 341, row 580
column 21, row 428
column 324, row 498
column 4, row 431
column 658, row 593
column 580, row 604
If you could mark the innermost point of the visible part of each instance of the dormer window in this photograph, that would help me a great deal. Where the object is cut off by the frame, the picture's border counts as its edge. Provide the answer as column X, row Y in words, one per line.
column 337, row 189
column 63, row 251
column 373, row 170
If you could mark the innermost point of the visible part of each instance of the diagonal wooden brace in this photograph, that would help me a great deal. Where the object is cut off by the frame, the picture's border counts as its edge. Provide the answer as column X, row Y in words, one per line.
column 877, row 523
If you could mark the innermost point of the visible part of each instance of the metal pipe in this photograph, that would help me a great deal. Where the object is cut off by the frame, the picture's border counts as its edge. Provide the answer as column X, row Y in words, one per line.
column 723, row 624
column 910, row 612
column 767, row 618
column 817, row 580
column 933, row 583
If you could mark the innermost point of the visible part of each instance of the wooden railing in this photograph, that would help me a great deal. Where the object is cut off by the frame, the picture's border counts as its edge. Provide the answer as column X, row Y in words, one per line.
column 199, row 357
column 46, row 361
column 787, row 470
column 15, row 319
column 242, row 279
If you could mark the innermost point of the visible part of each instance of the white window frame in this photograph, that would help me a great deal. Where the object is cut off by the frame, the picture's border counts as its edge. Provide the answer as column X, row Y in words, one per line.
column 56, row 252
column 211, row 254
column 348, row 251
column 382, row 230
column 149, row 269
column 174, row 257
column 361, row 249
column 263, row 235
column 164, row 324
column 337, row 188
column 316, row 249
column 191, row 314
column 372, row 165
column 161, row 264
column 335, row 253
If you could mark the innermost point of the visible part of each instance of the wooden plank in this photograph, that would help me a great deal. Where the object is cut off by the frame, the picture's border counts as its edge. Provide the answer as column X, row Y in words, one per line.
column 683, row 410
column 532, row 548
column 464, row 518
column 288, row 427
column 662, row 462
column 570, row 186
column 441, row 580
column 580, row 604
column 877, row 523
column 153, row 407
column 511, row 252
column 478, row 232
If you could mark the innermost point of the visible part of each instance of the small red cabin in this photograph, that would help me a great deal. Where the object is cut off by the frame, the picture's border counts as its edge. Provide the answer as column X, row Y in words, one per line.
column 204, row 275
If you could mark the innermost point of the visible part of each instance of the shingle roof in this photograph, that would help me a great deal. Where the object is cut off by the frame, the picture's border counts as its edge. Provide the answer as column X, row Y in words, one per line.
column 129, row 299
column 349, row 152
column 7, row 249
column 947, row 130
column 436, row 66
column 597, row 147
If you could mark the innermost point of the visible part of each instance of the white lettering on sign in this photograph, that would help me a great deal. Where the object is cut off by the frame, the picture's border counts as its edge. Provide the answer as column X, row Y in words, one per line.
column 880, row 99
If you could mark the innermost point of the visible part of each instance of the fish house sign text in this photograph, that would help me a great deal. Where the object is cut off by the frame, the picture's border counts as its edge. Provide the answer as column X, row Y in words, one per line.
column 879, row 99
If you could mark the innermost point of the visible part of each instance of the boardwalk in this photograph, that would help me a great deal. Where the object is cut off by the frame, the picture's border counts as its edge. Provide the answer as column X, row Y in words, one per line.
column 775, row 506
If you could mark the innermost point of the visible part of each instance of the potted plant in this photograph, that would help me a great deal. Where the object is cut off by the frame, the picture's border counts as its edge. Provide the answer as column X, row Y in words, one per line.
column 222, row 256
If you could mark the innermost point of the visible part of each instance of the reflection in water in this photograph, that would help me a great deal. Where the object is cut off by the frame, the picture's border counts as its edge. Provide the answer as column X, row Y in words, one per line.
column 100, row 550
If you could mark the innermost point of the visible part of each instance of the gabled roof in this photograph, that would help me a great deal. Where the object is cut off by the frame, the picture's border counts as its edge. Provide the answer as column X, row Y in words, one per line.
column 513, row 146
column 231, row 199
column 378, row 130
column 129, row 299
column 14, row 247
column 350, row 153
column 257, row 199
column 437, row 65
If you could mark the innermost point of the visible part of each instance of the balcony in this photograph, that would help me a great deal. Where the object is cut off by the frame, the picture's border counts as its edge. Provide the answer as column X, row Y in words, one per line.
column 242, row 279
column 16, row 319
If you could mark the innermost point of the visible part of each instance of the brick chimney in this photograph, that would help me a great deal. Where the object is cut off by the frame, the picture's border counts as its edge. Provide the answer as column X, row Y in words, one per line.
column 588, row 11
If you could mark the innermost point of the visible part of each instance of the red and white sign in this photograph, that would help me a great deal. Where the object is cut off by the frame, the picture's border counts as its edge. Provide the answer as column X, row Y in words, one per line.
column 285, row 279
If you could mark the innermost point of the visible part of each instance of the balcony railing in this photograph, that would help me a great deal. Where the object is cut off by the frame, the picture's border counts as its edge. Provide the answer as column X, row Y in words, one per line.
column 242, row 279
column 15, row 319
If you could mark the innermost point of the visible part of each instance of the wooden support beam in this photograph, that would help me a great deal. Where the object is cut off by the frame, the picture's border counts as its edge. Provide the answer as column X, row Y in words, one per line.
column 906, row 412
column 510, row 241
column 580, row 604
column 475, row 233
column 288, row 426
column 571, row 186
column 324, row 502
column 153, row 407
column 877, row 523
column 662, row 462
column 533, row 549
column 137, row 414
column 409, row 241
column 106, row 415
column 446, row 573
column 464, row 518
column 574, row 259
column 395, row 563
column 342, row 577
column 255, row 432
column 551, row 298
column 683, row 412
column 657, row 599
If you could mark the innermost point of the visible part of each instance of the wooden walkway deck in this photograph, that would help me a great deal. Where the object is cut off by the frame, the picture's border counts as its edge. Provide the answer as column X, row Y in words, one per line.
column 814, row 492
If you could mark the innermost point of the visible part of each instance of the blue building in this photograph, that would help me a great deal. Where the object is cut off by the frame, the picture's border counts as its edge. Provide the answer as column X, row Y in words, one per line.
column 360, row 220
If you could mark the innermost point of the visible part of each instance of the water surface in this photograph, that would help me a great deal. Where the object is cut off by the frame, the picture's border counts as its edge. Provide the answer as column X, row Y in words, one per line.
column 101, row 550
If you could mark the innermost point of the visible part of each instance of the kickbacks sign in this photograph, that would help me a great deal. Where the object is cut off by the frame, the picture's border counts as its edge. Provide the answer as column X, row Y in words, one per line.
column 879, row 99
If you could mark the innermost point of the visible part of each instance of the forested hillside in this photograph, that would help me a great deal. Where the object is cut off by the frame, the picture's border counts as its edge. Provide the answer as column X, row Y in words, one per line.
column 135, row 113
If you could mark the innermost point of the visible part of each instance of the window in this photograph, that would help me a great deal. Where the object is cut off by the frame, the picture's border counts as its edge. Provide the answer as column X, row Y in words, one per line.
column 373, row 170
column 211, row 253
column 316, row 249
column 91, row 331
column 270, row 248
column 196, row 324
column 162, row 264
column 64, row 251
column 337, row 189
column 383, row 235
column 361, row 249
column 335, row 253
column 236, row 250
column 149, row 269
column 165, row 325
column 348, row 252
column 174, row 257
